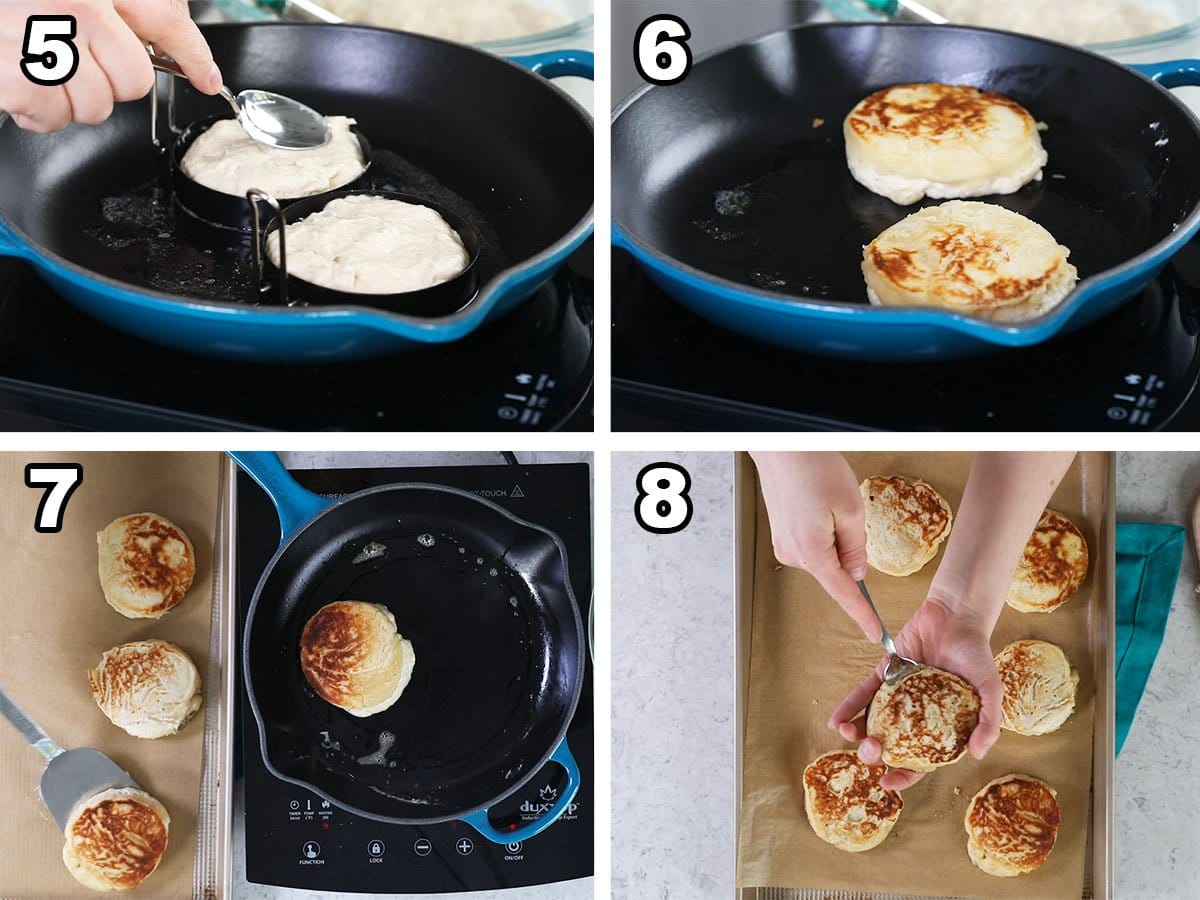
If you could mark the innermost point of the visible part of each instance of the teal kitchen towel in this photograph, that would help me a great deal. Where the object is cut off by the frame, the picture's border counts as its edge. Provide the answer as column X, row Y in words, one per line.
column 1148, row 559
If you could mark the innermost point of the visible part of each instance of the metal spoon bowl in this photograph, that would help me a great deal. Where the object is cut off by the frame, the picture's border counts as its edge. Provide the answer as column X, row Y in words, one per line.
column 269, row 118
column 898, row 667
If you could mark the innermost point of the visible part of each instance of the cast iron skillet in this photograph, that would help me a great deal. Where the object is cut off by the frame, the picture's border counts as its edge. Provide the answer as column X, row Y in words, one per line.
column 499, row 657
column 481, row 135
column 731, row 188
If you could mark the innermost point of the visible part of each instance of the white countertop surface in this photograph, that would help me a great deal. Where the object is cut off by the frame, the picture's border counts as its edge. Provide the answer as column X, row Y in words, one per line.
column 673, row 737
column 672, row 692
column 1158, row 773
column 582, row 889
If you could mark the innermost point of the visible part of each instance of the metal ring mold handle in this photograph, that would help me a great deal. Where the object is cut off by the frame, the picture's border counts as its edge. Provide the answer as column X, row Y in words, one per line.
column 480, row 822
column 260, row 243
column 295, row 505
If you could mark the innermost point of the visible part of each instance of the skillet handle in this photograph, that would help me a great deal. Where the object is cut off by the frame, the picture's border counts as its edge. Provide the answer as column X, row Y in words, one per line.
column 558, row 63
column 479, row 820
column 1172, row 74
column 9, row 245
column 294, row 504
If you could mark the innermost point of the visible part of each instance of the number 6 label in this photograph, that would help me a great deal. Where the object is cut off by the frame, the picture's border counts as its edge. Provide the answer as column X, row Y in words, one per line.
column 48, row 57
column 663, row 505
column 660, row 50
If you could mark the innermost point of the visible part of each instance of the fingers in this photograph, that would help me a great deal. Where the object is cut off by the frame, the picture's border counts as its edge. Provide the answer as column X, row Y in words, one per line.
column 843, row 588
column 870, row 751
column 167, row 25
column 987, row 732
column 850, row 535
column 124, row 61
column 900, row 779
column 854, row 730
column 89, row 93
column 47, row 109
column 857, row 700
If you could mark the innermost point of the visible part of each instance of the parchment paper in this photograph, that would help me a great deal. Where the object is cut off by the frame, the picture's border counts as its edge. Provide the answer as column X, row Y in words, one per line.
column 54, row 626
column 806, row 655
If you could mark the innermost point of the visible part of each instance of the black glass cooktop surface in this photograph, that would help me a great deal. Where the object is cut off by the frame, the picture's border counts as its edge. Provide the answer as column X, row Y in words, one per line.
column 60, row 369
column 294, row 839
column 1135, row 370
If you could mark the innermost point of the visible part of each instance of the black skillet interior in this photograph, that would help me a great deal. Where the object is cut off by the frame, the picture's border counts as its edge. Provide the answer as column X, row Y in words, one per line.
column 740, row 171
column 497, row 640
column 452, row 124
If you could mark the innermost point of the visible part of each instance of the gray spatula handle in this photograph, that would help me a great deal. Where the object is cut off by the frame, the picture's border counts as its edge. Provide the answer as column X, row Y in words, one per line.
column 29, row 729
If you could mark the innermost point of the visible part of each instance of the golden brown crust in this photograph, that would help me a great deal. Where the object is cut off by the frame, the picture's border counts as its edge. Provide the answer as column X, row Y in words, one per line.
column 939, row 110
column 855, row 785
column 333, row 646
column 148, row 567
column 120, row 839
column 925, row 720
column 1053, row 565
column 969, row 263
column 916, row 504
column 1013, row 821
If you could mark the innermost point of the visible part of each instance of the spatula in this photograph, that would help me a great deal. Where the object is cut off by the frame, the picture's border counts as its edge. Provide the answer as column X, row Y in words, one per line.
column 70, row 775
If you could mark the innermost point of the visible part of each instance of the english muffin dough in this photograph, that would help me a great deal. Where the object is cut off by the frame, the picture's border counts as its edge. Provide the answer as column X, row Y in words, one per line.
column 907, row 520
column 353, row 657
column 465, row 21
column 1039, row 687
column 845, row 804
column 924, row 720
column 365, row 244
column 146, row 565
column 1012, row 824
column 148, row 688
column 226, row 159
column 1053, row 566
column 115, row 839
column 912, row 141
column 969, row 257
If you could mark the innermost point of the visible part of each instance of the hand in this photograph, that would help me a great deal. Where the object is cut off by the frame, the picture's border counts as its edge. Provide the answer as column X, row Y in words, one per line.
column 944, row 635
column 818, row 524
column 113, row 64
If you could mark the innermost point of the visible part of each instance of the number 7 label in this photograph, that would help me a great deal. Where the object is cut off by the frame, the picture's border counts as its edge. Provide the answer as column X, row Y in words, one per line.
column 60, row 479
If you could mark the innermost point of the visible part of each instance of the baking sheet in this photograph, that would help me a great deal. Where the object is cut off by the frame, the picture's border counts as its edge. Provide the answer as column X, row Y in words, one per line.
column 796, row 677
column 56, row 625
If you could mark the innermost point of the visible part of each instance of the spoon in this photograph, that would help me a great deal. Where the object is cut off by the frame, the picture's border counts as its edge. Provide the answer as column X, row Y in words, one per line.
column 898, row 666
column 907, row 11
column 70, row 775
column 271, row 119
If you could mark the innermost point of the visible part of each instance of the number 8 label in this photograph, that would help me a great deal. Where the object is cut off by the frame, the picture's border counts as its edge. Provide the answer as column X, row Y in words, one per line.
column 663, row 505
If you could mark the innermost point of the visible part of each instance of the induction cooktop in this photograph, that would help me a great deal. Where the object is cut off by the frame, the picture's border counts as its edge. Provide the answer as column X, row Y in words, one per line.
column 60, row 369
column 295, row 839
column 1135, row 370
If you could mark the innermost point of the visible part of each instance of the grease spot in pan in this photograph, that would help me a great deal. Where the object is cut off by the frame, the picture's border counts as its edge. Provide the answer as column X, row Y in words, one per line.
column 379, row 757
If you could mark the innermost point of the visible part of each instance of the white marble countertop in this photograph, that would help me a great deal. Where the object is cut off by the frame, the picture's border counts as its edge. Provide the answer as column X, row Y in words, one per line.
column 672, row 692
column 1158, row 773
column 582, row 889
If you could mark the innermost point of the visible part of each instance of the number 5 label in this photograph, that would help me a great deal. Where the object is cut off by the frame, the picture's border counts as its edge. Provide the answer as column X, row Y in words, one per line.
column 60, row 479
column 660, row 50
column 663, row 505
column 48, row 57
